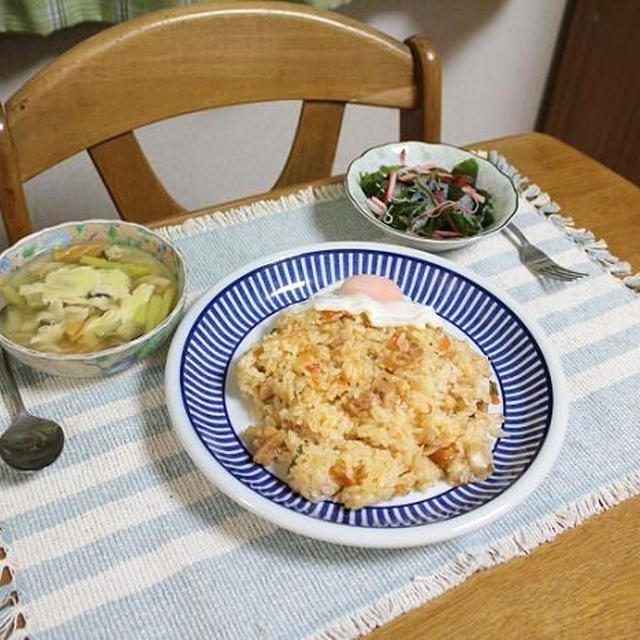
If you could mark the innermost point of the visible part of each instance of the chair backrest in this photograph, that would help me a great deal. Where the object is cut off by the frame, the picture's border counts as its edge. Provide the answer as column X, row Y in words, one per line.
column 200, row 57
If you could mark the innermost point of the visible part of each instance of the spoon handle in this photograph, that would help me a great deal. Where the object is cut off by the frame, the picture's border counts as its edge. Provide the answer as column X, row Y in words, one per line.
column 12, row 387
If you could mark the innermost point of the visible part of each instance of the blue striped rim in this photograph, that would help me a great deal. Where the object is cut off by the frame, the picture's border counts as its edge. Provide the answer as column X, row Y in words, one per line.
column 517, row 360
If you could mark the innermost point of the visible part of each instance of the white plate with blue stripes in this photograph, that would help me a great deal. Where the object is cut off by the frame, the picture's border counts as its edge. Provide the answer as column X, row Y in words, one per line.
column 209, row 417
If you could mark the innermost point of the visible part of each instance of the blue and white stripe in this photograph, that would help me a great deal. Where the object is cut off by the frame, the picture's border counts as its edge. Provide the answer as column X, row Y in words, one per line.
column 124, row 537
column 232, row 313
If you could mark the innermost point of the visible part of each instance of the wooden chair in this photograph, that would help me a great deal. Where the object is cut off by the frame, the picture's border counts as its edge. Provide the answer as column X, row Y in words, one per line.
column 200, row 57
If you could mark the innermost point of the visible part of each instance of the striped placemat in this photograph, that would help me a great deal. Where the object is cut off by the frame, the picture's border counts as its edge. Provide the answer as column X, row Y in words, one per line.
column 124, row 538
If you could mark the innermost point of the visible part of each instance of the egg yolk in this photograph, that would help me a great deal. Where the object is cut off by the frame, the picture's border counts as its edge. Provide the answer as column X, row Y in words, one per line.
column 376, row 287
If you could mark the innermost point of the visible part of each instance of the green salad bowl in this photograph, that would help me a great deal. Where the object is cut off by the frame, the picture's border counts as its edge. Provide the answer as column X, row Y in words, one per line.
column 504, row 197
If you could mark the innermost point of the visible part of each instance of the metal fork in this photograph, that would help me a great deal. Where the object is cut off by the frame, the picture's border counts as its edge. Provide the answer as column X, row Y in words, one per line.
column 538, row 261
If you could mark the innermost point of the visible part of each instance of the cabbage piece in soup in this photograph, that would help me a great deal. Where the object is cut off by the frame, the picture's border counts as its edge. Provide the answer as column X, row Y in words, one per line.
column 85, row 298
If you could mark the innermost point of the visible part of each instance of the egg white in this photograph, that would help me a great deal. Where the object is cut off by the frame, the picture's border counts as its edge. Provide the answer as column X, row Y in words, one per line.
column 399, row 313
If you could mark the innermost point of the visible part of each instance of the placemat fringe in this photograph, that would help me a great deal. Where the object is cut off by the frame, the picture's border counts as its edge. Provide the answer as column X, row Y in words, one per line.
column 596, row 250
column 12, row 621
column 216, row 219
column 463, row 566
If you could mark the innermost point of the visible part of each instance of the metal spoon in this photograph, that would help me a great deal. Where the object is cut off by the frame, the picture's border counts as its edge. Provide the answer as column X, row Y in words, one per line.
column 30, row 443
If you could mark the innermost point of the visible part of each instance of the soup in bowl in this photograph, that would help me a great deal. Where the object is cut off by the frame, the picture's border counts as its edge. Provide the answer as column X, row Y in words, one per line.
column 89, row 298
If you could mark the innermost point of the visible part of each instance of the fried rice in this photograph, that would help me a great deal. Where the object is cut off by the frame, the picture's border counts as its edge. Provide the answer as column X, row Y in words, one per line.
column 361, row 414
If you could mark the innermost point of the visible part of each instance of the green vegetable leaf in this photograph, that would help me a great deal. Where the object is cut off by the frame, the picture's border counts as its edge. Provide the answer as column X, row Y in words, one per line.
column 485, row 210
column 468, row 167
column 467, row 225
column 373, row 184
column 422, row 187
column 386, row 169
column 487, row 218
column 400, row 215
column 428, row 228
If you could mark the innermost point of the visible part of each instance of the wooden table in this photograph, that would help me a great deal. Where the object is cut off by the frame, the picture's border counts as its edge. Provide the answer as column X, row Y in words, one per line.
column 586, row 583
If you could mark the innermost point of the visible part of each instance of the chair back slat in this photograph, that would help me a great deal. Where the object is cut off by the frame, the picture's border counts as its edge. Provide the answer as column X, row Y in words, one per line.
column 315, row 143
column 423, row 122
column 136, row 192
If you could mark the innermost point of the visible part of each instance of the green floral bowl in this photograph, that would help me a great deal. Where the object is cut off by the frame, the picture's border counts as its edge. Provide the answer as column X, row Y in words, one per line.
column 117, row 358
